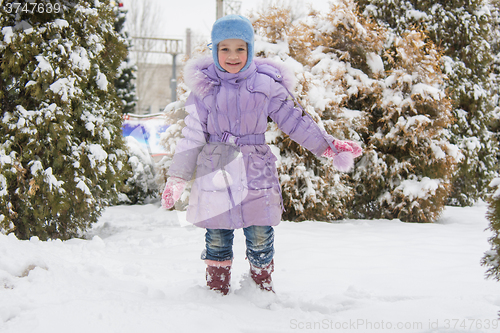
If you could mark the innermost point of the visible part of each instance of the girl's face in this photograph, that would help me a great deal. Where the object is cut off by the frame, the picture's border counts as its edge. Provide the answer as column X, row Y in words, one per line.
column 232, row 54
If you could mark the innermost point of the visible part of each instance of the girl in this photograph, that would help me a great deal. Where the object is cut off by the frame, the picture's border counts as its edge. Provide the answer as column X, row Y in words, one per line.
column 236, row 183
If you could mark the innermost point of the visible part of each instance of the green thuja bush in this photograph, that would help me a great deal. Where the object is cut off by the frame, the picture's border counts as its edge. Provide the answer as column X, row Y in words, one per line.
column 62, row 156
column 491, row 258
column 464, row 30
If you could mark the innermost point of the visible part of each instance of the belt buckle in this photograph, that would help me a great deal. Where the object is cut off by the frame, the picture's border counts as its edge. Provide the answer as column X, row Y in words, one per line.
column 229, row 138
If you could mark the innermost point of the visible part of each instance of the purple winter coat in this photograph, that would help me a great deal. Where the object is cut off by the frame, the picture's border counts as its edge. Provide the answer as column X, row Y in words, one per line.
column 236, row 183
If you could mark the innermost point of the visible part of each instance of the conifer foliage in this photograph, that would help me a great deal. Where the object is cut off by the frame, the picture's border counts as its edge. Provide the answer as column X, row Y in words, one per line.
column 141, row 186
column 386, row 93
column 125, row 81
column 61, row 149
column 311, row 187
column 462, row 29
column 492, row 257
column 495, row 70
column 409, row 150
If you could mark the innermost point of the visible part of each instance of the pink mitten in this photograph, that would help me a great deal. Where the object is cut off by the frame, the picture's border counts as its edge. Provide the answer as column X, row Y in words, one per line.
column 356, row 149
column 173, row 190
column 343, row 158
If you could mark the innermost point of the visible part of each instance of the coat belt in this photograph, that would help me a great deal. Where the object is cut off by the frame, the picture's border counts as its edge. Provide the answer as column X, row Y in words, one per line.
column 248, row 139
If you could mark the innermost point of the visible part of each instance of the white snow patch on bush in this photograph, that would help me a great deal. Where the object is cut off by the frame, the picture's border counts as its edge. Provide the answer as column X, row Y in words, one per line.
column 7, row 33
column 36, row 167
column 375, row 62
column 51, row 180
column 472, row 143
column 61, row 23
column 97, row 154
column 80, row 59
column 3, row 186
column 438, row 152
column 270, row 49
column 102, row 81
column 496, row 183
column 425, row 89
column 65, row 87
column 416, row 15
column 43, row 65
column 82, row 186
column 413, row 188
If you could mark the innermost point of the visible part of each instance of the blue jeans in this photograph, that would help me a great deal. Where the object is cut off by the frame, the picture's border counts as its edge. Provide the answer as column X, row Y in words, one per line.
column 259, row 242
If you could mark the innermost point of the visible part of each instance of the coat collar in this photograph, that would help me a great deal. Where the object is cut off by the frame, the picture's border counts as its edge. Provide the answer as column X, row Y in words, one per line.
column 201, row 75
column 238, row 77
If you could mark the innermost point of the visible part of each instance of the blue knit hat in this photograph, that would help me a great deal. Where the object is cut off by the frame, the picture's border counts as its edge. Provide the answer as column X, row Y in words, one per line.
column 232, row 27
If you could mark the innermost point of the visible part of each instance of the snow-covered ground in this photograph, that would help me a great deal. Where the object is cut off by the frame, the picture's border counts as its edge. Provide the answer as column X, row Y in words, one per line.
column 140, row 272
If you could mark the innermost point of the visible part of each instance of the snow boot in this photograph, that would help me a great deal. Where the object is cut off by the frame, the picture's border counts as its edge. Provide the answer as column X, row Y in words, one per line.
column 262, row 276
column 219, row 275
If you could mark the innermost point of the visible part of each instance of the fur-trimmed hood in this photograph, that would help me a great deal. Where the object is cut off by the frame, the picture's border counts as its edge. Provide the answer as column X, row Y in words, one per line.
column 201, row 74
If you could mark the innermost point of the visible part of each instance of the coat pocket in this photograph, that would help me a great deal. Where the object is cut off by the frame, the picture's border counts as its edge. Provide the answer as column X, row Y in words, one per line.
column 220, row 168
column 261, row 171
column 209, row 173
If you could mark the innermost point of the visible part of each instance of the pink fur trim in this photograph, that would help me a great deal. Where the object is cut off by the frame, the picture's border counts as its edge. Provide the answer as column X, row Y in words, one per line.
column 214, row 263
column 201, row 84
column 195, row 79
column 343, row 161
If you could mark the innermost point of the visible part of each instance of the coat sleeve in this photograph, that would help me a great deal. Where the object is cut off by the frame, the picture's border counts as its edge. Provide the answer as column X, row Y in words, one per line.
column 195, row 137
column 297, row 124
